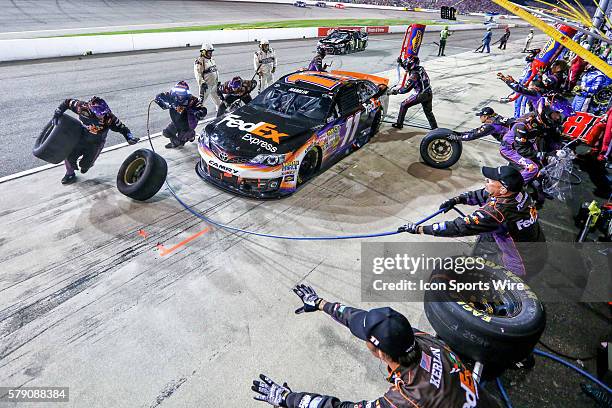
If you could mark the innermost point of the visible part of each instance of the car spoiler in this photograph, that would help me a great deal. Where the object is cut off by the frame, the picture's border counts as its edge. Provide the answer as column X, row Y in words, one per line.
column 376, row 79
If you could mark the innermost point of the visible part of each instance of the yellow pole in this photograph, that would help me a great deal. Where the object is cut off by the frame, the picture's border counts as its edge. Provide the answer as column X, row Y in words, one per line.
column 557, row 36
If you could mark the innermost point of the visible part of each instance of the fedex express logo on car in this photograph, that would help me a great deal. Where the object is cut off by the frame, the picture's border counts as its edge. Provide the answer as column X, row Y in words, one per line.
column 263, row 129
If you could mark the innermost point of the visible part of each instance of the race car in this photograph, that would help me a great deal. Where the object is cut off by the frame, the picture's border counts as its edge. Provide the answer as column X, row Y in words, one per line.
column 291, row 131
column 344, row 41
column 299, row 3
column 340, row 6
column 321, row 4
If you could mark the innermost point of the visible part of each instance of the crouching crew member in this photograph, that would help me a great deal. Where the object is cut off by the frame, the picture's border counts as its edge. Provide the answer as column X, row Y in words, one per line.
column 96, row 118
column 233, row 90
column 185, row 112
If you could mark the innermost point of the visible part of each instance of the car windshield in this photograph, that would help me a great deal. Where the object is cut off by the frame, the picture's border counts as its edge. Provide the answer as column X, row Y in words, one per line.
column 295, row 105
column 337, row 34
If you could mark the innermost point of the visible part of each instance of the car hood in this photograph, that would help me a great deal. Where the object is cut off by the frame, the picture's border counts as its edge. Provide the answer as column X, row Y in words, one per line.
column 248, row 132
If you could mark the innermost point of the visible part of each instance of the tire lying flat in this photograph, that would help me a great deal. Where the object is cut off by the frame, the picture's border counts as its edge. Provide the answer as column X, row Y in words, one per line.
column 142, row 174
column 435, row 141
column 496, row 335
column 55, row 142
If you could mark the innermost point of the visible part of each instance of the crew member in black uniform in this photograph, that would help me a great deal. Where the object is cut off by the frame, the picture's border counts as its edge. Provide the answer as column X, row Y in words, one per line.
column 507, row 215
column 422, row 370
column 96, row 118
column 420, row 91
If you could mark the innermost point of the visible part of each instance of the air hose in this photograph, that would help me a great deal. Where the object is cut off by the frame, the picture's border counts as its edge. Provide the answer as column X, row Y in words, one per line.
column 287, row 237
column 561, row 361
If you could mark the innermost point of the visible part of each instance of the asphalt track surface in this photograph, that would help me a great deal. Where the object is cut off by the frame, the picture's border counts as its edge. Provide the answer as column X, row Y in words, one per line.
column 30, row 91
column 31, row 18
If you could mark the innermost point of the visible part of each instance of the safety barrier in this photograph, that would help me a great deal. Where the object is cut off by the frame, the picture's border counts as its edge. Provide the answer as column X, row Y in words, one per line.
column 38, row 48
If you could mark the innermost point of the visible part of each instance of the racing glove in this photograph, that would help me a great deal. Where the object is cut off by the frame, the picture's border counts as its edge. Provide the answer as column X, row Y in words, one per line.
column 410, row 228
column 449, row 204
column 270, row 392
column 159, row 100
column 201, row 113
column 56, row 116
column 131, row 139
column 309, row 297
column 455, row 137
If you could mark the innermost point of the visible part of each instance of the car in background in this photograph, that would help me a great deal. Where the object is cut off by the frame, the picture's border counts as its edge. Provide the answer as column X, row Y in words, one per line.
column 302, row 124
column 342, row 41
column 340, row 6
column 299, row 3
column 321, row 4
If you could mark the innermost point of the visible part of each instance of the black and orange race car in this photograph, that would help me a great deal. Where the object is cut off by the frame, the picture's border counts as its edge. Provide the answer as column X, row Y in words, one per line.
column 297, row 127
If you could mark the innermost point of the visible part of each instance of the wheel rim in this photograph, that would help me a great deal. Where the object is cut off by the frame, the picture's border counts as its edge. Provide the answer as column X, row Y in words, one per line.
column 440, row 150
column 308, row 166
column 134, row 171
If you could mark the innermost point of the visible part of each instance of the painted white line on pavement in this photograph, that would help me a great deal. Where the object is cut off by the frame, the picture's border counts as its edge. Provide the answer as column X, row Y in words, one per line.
column 106, row 149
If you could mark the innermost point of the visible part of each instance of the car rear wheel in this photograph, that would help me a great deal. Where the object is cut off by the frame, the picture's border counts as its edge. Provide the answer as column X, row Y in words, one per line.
column 309, row 165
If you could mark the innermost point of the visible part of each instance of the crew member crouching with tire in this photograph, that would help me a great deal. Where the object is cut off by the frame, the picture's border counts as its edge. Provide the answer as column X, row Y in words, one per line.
column 234, row 90
column 96, row 118
column 185, row 112
column 507, row 216
column 422, row 369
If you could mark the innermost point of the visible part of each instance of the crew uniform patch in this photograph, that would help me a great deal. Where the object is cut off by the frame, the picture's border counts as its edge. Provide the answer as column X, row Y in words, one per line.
column 425, row 362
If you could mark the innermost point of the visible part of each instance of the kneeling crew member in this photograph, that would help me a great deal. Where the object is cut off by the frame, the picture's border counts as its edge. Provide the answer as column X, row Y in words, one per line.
column 507, row 214
column 421, row 368
column 185, row 112
column 96, row 118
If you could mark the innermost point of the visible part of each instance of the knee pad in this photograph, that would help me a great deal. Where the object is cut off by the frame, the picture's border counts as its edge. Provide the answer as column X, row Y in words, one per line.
column 167, row 133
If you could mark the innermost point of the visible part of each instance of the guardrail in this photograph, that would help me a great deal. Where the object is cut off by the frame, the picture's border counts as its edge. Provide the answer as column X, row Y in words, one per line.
column 38, row 48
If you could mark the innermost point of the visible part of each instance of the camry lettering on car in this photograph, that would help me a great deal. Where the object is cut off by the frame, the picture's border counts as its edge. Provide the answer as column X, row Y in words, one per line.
column 263, row 129
column 222, row 167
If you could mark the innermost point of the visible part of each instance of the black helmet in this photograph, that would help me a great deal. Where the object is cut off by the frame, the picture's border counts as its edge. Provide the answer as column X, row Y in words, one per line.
column 321, row 51
column 549, row 117
column 413, row 61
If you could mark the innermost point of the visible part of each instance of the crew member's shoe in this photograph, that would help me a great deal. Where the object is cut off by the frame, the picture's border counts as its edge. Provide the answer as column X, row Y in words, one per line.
column 69, row 178
column 398, row 125
column 170, row 146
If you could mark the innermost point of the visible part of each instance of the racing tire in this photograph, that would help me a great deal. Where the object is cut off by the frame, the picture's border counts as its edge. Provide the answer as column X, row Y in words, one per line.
column 376, row 124
column 142, row 174
column 309, row 165
column 495, row 327
column 55, row 142
column 439, row 152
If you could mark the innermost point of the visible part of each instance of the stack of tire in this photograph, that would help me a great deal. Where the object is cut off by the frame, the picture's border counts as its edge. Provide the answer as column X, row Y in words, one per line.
column 140, row 176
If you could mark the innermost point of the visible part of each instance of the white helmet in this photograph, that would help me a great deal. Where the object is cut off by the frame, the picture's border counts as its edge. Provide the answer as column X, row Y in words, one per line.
column 263, row 41
column 207, row 47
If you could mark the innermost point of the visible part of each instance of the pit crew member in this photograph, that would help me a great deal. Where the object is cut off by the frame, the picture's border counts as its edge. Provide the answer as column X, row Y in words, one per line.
column 422, row 370
column 230, row 91
column 492, row 124
column 507, row 214
column 419, row 88
column 96, row 118
column 185, row 112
